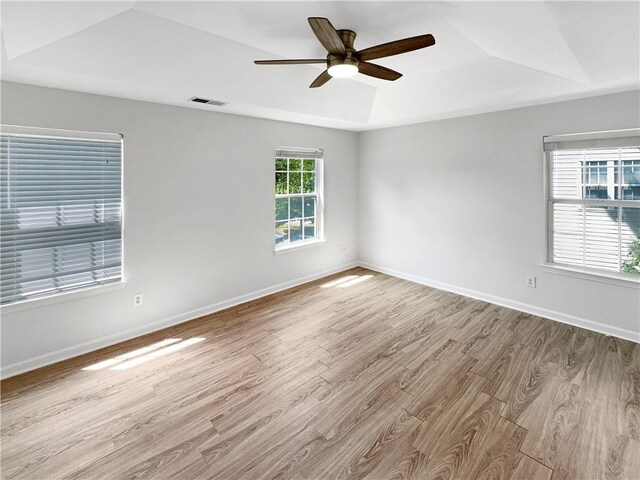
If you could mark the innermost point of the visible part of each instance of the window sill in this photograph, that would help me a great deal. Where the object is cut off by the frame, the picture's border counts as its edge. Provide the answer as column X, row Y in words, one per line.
column 591, row 275
column 298, row 246
column 61, row 297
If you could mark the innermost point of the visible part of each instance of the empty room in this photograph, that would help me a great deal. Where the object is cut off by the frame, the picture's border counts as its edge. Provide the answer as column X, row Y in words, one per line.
column 311, row 240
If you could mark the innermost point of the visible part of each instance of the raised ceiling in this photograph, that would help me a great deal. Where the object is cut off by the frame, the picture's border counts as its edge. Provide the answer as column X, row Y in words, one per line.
column 488, row 56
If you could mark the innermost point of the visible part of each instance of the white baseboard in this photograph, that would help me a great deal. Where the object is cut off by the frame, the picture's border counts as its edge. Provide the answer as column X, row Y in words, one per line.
column 70, row 352
column 504, row 302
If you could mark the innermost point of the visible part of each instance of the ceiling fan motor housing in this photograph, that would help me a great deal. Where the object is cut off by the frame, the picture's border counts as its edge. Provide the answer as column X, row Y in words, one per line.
column 347, row 37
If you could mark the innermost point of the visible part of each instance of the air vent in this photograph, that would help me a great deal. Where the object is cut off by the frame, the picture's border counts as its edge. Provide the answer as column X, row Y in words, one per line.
column 207, row 101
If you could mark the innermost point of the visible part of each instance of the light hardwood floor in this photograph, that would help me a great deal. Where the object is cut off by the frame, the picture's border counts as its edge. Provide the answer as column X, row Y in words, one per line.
column 371, row 378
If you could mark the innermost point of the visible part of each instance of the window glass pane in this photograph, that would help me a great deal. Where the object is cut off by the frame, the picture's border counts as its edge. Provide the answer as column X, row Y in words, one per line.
column 281, row 164
column 309, row 206
column 308, row 182
column 587, row 236
column 309, row 228
column 282, row 232
column 295, row 180
column 630, row 188
column 631, row 172
column 296, row 207
column 309, row 165
column 630, row 193
column 295, row 164
column 597, row 191
column 281, row 183
column 282, row 208
column 295, row 230
column 630, row 240
column 585, row 173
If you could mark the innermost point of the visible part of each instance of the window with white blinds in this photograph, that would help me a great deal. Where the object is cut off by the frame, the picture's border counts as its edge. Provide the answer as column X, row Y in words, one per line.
column 594, row 201
column 61, row 211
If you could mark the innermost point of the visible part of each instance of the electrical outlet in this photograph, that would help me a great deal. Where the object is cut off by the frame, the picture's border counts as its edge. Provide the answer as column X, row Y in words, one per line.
column 342, row 248
column 137, row 300
column 531, row 281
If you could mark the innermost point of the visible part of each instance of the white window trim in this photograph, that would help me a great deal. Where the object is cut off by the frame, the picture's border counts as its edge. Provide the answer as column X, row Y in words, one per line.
column 320, row 239
column 60, row 297
column 579, row 141
column 594, row 275
column 302, row 245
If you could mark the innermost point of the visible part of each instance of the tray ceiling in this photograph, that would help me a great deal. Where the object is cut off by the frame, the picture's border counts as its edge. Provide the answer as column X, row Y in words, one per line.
column 488, row 56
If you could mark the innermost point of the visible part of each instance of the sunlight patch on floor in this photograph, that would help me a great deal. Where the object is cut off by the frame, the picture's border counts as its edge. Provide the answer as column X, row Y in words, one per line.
column 340, row 280
column 144, row 354
column 355, row 281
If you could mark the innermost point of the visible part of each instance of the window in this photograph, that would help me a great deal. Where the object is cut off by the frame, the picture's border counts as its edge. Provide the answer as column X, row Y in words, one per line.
column 593, row 201
column 298, row 203
column 61, row 211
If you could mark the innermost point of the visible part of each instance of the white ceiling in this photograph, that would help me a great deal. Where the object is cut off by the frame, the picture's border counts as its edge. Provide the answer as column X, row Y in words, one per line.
column 488, row 56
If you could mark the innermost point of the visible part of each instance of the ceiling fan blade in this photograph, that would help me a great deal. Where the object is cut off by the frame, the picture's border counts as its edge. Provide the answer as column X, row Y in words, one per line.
column 299, row 61
column 323, row 78
column 328, row 36
column 395, row 48
column 378, row 71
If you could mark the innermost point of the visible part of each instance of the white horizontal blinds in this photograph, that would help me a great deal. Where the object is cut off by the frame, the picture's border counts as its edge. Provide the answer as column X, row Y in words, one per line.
column 601, row 237
column 61, row 213
column 595, row 201
column 589, row 236
column 566, row 174
column 568, row 234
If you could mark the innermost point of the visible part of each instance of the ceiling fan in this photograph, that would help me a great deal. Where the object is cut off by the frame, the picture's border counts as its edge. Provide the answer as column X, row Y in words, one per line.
column 343, row 60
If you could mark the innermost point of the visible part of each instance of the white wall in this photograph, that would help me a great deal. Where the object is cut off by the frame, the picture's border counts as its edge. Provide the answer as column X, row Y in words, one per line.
column 198, row 217
column 459, row 204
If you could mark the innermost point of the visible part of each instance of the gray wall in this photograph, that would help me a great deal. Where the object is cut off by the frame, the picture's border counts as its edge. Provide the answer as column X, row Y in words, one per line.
column 198, row 217
column 459, row 204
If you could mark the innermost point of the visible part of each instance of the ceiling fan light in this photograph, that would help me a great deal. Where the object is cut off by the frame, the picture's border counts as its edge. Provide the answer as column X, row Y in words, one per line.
column 343, row 70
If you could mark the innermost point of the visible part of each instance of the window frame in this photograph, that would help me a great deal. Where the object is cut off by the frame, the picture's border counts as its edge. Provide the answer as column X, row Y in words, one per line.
column 84, row 290
column 299, row 154
column 592, row 140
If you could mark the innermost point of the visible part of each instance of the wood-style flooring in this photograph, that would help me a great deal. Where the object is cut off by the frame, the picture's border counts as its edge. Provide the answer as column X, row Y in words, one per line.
column 358, row 375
